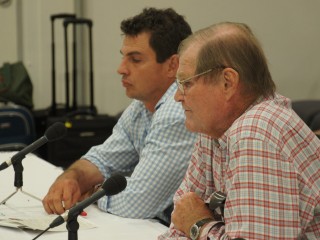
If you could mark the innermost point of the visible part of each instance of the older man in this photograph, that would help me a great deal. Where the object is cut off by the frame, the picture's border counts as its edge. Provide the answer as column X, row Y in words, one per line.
column 255, row 171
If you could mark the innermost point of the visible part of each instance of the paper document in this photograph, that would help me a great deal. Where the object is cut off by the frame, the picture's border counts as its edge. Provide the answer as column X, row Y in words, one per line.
column 29, row 213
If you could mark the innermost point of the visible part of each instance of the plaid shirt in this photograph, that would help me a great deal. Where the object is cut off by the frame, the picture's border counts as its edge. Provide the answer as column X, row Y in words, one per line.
column 268, row 165
column 156, row 148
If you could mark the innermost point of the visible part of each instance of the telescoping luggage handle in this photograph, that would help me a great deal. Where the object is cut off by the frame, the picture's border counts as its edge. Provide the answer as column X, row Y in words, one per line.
column 53, row 68
column 78, row 21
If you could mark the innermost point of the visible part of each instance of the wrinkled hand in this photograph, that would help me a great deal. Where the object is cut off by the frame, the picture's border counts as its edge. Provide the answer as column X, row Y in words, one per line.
column 188, row 210
column 62, row 195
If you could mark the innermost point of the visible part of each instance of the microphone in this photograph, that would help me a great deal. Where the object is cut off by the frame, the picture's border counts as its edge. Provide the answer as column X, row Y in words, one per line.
column 217, row 200
column 54, row 132
column 112, row 186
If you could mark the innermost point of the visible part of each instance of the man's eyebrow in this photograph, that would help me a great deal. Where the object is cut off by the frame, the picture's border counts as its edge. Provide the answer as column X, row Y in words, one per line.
column 131, row 53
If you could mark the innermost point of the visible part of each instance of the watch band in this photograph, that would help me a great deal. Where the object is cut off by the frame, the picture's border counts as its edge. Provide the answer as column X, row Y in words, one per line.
column 195, row 229
column 203, row 222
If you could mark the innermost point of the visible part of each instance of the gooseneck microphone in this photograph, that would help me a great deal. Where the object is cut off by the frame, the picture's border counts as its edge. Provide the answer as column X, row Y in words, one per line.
column 53, row 133
column 112, row 186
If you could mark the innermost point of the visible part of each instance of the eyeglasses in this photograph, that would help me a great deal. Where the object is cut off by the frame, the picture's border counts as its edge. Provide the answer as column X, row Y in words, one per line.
column 182, row 83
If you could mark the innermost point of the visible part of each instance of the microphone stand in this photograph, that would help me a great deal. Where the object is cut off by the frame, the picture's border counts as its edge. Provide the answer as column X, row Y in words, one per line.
column 18, row 181
column 72, row 227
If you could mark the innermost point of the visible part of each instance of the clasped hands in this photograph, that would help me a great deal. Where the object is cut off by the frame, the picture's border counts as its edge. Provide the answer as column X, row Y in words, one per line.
column 189, row 209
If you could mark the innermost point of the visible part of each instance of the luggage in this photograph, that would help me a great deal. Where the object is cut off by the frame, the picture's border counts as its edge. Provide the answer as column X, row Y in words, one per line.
column 41, row 116
column 84, row 131
column 306, row 109
column 53, row 110
column 15, row 84
column 17, row 128
column 88, row 24
column 85, row 127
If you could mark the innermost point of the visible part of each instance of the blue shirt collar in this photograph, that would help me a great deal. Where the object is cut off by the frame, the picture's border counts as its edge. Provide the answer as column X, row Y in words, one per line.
column 168, row 94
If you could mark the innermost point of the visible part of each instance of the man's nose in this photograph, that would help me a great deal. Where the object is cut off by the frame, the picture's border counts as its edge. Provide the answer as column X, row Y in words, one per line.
column 122, row 68
column 178, row 97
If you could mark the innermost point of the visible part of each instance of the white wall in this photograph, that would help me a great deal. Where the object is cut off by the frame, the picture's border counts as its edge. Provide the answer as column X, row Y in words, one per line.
column 289, row 31
column 8, row 33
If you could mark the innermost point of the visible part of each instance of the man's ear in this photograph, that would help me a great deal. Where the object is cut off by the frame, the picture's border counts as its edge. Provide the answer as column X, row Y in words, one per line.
column 172, row 65
column 231, row 82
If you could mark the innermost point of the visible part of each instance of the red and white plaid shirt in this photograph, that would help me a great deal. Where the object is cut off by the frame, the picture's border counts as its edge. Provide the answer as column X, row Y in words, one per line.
column 268, row 164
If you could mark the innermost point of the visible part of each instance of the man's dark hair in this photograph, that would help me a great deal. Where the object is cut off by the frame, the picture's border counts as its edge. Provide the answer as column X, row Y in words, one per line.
column 167, row 29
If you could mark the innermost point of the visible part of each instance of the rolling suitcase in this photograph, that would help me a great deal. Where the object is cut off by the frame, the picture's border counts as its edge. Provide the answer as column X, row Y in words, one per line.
column 84, row 131
column 17, row 128
column 54, row 109
column 86, row 128
column 54, row 106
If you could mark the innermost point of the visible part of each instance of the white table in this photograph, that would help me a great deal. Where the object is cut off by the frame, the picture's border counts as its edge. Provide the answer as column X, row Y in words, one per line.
column 38, row 175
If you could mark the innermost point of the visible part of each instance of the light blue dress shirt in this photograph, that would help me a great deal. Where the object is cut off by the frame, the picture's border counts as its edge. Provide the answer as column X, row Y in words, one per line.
column 156, row 148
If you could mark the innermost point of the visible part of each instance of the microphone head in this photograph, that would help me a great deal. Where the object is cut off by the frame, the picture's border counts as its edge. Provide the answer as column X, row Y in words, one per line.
column 114, row 184
column 56, row 131
column 217, row 200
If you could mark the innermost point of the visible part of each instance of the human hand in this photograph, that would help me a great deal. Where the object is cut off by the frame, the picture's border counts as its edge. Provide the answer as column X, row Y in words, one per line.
column 62, row 195
column 188, row 210
column 90, row 192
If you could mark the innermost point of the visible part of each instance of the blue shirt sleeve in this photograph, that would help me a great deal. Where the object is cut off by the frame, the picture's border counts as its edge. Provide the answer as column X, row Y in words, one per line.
column 157, row 148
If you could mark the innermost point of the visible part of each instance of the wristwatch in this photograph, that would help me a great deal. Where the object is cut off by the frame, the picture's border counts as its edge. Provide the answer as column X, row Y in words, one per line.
column 195, row 229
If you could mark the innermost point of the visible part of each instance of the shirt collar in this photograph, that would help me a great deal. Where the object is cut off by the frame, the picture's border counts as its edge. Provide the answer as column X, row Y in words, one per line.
column 222, row 141
column 169, row 93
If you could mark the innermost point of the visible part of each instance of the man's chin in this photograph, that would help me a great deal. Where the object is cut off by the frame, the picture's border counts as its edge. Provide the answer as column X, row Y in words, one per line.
column 129, row 93
column 190, row 126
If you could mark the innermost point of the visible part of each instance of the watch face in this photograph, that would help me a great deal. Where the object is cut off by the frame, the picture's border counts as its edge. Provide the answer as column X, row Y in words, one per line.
column 194, row 232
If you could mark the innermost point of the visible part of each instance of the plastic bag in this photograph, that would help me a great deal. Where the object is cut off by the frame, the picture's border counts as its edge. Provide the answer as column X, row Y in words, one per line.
column 16, row 85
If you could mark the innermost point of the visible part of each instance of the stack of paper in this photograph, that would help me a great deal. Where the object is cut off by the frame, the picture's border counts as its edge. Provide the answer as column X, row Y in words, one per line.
column 22, row 211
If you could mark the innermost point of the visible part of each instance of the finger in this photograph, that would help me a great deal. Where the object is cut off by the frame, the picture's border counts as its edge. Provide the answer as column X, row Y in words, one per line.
column 57, row 205
column 70, row 197
column 52, row 204
column 46, row 205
